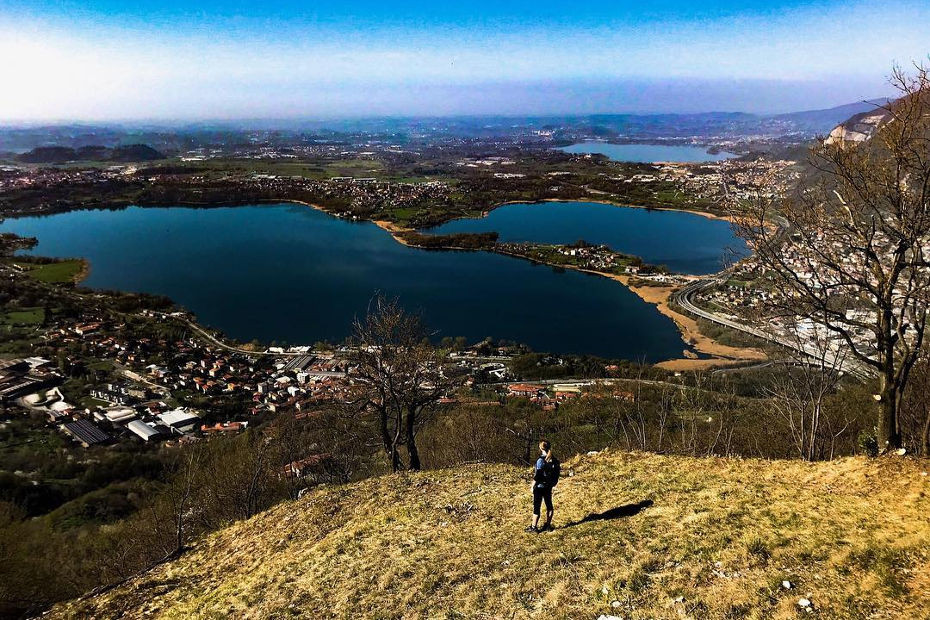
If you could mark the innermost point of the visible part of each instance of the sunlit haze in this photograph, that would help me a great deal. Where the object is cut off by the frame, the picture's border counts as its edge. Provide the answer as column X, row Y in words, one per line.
column 98, row 60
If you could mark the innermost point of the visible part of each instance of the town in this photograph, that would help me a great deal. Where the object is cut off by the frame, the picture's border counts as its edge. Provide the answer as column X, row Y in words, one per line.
column 151, row 389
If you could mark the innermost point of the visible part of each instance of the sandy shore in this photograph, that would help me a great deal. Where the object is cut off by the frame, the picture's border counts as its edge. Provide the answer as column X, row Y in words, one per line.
column 394, row 229
column 82, row 275
column 722, row 354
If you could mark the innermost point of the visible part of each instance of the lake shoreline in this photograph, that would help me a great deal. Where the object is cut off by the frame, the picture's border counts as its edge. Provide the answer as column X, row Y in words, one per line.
column 686, row 327
column 84, row 273
column 709, row 215
column 721, row 354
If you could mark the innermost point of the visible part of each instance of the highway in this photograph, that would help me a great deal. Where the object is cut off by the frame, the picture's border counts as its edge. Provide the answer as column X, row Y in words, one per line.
column 684, row 299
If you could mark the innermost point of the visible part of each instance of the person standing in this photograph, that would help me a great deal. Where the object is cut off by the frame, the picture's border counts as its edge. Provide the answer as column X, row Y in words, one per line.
column 545, row 477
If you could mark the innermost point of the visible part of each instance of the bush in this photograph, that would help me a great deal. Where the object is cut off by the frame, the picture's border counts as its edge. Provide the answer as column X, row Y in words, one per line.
column 868, row 443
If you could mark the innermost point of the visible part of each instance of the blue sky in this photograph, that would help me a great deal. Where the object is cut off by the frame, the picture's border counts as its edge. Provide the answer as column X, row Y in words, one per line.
column 103, row 59
column 428, row 14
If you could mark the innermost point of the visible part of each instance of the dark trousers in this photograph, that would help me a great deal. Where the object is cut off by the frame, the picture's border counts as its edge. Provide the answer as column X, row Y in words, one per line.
column 540, row 494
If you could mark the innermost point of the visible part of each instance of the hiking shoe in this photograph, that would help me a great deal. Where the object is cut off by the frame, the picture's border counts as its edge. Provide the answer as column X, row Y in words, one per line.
column 530, row 528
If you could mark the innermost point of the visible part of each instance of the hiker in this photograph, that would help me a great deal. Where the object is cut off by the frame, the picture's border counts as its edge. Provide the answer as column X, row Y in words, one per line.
column 545, row 477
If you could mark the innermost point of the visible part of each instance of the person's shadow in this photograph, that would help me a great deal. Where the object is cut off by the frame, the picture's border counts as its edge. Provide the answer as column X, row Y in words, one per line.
column 627, row 510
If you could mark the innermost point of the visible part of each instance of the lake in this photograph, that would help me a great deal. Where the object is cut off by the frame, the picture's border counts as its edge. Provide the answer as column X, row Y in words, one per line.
column 683, row 242
column 290, row 273
column 648, row 153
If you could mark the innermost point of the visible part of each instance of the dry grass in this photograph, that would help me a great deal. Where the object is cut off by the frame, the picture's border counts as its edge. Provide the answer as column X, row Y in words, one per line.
column 719, row 539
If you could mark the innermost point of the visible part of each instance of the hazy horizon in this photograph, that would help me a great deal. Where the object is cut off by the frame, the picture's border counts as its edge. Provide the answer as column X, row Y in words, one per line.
column 226, row 60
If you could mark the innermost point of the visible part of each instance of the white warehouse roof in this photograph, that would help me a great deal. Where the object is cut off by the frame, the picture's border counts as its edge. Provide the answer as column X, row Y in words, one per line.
column 142, row 429
column 178, row 418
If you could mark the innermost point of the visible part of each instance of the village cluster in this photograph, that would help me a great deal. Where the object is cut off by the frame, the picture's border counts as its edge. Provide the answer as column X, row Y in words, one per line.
column 17, row 177
column 155, row 378
column 142, row 388
column 728, row 182
column 361, row 195
column 746, row 289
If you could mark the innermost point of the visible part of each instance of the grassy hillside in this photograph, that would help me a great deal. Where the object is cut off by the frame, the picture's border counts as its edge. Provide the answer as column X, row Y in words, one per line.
column 717, row 541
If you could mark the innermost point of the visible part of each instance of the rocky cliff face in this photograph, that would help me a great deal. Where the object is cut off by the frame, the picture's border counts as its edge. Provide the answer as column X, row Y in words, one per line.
column 858, row 128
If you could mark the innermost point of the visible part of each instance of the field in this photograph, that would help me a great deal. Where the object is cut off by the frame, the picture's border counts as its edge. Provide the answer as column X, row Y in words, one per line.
column 318, row 169
column 23, row 316
column 637, row 536
column 61, row 271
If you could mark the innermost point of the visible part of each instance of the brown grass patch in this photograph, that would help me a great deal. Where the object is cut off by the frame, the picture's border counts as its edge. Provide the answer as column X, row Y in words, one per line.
column 717, row 542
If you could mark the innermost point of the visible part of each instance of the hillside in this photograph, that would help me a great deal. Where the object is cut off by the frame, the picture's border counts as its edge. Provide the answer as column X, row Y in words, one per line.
column 63, row 154
column 822, row 121
column 676, row 537
column 859, row 127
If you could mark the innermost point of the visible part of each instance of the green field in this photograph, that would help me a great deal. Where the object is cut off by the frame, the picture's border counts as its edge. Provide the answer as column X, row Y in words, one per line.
column 404, row 214
column 62, row 271
column 316, row 169
column 23, row 316
column 92, row 403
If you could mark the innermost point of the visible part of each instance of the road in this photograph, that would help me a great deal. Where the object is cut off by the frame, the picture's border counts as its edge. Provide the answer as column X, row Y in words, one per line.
column 684, row 298
column 215, row 341
column 605, row 381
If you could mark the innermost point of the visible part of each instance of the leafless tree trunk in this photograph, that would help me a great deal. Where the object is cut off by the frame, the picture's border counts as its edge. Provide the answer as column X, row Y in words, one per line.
column 916, row 406
column 181, row 492
column 258, row 477
column 666, row 406
column 400, row 377
column 692, row 407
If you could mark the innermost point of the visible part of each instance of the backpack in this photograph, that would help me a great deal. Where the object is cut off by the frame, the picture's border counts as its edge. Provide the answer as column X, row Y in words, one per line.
column 549, row 474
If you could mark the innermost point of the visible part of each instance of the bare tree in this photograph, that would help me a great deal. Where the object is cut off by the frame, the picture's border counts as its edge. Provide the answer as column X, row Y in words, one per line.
column 625, row 415
column 180, row 494
column 241, row 477
column 799, row 395
column 725, row 419
column 472, row 434
column 850, row 251
column 692, row 409
column 400, row 375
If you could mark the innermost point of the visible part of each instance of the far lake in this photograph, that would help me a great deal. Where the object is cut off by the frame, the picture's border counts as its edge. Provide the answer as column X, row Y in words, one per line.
column 293, row 274
column 683, row 242
column 648, row 153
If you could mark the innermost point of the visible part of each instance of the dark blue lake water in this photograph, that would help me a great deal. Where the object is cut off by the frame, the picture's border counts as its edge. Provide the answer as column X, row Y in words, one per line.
column 683, row 242
column 294, row 274
column 648, row 153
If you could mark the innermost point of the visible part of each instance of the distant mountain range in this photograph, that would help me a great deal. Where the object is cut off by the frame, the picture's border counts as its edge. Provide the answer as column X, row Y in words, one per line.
column 87, row 140
column 825, row 120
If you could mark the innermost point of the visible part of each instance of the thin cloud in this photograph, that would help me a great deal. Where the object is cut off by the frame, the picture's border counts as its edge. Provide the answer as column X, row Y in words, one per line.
column 202, row 71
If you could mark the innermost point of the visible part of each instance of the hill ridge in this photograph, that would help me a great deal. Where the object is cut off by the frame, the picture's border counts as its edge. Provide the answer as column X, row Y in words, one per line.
column 719, row 539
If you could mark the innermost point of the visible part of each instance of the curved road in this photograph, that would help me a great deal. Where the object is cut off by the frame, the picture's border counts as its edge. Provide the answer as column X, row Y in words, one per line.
column 214, row 340
column 684, row 298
